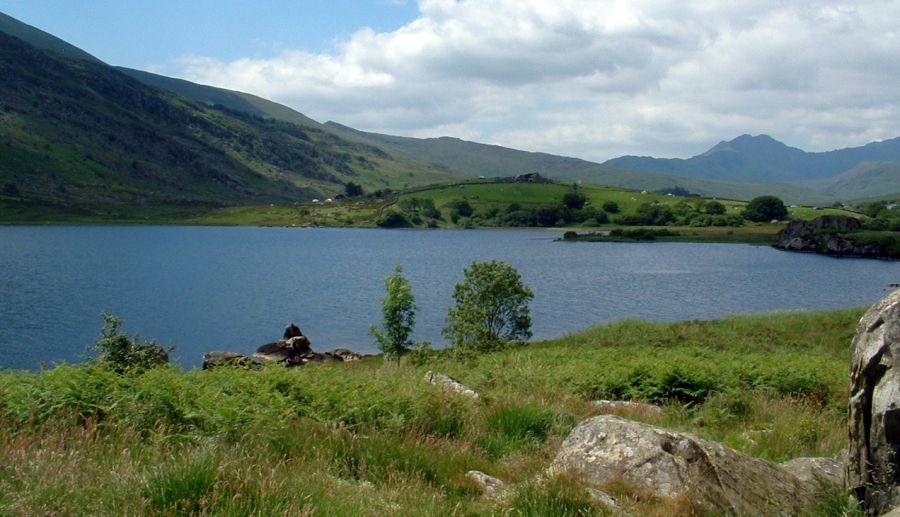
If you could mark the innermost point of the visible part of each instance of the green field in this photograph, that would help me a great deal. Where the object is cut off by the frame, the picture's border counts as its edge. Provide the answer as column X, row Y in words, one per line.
column 373, row 438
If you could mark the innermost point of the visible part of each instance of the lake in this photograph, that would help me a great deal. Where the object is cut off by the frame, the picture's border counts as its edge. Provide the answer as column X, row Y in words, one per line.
column 222, row 288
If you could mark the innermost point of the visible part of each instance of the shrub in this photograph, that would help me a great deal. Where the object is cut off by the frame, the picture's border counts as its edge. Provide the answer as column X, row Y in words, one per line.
column 491, row 307
column 611, row 207
column 574, row 200
column 393, row 220
column 126, row 353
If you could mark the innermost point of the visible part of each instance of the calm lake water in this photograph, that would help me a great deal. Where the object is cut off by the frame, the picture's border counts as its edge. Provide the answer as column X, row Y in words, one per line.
column 209, row 288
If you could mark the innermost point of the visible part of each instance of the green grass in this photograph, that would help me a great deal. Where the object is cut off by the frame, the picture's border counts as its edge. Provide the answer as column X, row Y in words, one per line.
column 373, row 438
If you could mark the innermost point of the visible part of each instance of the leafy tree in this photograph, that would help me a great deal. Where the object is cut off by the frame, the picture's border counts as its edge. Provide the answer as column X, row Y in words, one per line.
column 548, row 215
column 353, row 189
column 491, row 307
column 124, row 352
column 574, row 200
column 398, row 316
column 393, row 220
column 765, row 208
column 874, row 209
column 712, row 207
column 461, row 208
column 611, row 207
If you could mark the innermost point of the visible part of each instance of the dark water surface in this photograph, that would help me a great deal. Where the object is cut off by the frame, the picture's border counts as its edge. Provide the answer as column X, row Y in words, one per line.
column 210, row 288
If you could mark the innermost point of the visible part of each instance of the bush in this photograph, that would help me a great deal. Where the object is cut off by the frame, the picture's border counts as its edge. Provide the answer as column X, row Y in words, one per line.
column 713, row 208
column 353, row 189
column 611, row 207
column 764, row 209
column 491, row 307
column 574, row 200
column 393, row 220
column 126, row 353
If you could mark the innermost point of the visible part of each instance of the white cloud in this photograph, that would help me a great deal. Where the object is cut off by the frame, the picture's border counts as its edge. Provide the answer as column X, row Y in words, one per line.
column 597, row 79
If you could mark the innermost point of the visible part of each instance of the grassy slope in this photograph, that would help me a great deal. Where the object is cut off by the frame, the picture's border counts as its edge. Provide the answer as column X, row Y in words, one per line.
column 373, row 438
column 77, row 132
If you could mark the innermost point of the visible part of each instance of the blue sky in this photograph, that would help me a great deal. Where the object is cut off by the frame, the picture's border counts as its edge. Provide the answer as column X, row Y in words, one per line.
column 145, row 33
column 594, row 79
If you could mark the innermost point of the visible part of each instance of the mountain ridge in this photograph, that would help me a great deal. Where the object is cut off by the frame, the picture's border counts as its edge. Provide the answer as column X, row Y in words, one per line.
column 791, row 173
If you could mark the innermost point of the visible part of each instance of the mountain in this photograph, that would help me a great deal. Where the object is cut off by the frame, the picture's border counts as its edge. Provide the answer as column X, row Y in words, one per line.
column 866, row 180
column 273, row 152
column 76, row 130
column 762, row 158
column 41, row 39
column 230, row 99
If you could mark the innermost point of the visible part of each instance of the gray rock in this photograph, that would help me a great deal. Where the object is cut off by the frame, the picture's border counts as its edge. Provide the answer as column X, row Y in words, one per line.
column 345, row 355
column 213, row 359
column 666, row 464
column 607, row 501
column 810, row 470
column 489, row 485
column 450, row 384
column 874, row 466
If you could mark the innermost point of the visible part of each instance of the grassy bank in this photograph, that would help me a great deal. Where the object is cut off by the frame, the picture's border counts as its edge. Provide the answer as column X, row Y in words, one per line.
column 373, row 438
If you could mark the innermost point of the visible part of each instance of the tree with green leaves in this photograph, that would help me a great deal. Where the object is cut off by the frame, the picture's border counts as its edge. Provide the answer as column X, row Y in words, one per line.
column 398, row 316
column 491, row 307
column 765, row 208
column 353, row 189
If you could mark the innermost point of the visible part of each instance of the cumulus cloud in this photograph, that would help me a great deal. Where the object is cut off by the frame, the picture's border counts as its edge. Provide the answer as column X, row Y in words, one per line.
column 597, row 79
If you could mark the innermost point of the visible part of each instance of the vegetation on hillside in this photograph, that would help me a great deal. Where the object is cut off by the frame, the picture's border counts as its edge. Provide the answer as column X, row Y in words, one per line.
column 374, row 438
column 78, row 133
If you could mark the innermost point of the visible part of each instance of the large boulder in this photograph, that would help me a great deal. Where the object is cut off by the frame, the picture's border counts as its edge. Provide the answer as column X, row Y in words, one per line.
column 608, row 448
column 874, row 469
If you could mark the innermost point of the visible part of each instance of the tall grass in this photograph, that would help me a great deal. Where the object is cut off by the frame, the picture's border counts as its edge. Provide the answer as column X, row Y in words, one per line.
column 373, row 438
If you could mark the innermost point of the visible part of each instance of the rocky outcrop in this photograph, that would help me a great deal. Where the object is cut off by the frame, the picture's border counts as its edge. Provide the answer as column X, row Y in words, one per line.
column 294, row 350
column 214, row 359
column 829, row 235
column 874, row 469
column 608, row 448
column 450, row 384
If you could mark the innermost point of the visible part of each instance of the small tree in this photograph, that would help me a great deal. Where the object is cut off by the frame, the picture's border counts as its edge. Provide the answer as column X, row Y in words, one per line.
column 125, row 353
column 398, row 316
column 574, row 199
column 713, row 207
column 491, row 307
column 765, row 208
column 611, row 207
column 353, row 189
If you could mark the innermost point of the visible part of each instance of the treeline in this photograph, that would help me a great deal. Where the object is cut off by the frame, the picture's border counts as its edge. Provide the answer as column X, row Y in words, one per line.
column 574, row 208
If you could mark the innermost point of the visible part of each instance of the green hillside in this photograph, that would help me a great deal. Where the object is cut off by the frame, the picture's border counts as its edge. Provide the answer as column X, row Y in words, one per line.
column 232, row 100
column 868, row 179
column 77, row 131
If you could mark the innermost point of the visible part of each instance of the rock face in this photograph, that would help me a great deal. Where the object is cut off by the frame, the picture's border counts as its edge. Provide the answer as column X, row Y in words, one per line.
column 874, row 470
column 606, row 448
column 824, row 235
